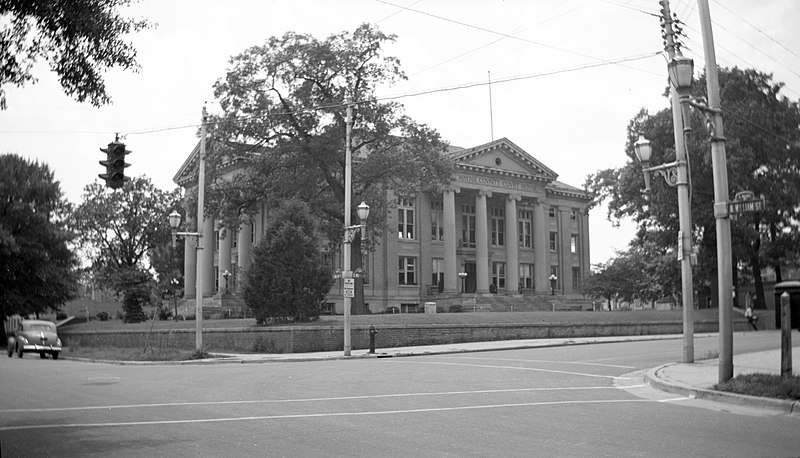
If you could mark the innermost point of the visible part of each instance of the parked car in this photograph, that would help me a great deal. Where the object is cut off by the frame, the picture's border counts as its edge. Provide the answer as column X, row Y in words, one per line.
column 36, row 336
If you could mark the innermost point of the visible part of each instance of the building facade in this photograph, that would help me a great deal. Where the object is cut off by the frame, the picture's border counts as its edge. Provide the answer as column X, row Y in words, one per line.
column 505, row 226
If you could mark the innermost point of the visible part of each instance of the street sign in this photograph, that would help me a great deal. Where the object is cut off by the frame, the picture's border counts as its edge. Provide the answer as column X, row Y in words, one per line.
column 349, row 287
column 745, row 206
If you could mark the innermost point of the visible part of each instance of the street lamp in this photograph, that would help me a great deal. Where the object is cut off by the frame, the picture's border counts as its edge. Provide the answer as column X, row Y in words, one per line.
column 553, row 280
column 680, row 70
column 347, row 273
column 463, row 277
column 226, row 275
column 194, row 239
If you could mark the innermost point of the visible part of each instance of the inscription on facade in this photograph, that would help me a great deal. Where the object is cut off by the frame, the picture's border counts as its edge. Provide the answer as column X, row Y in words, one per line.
column 497, row 182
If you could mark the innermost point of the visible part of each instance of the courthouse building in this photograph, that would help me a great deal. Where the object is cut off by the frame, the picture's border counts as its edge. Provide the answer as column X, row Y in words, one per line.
column 504, row 227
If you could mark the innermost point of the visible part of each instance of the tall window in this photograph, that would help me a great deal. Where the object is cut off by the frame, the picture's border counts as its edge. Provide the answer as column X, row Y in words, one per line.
column 573, row 215
column 576, row 277
column 468, row 225
column 437, row 222
column 498, row 227
column 499, row 274
column 216, row 240
column 526, row 276
column 554, row 241
column 524, row 223
column 252, row 232
column 405, row 219
column 552, row 212
column 406, row 270
column 234, row 234
column 216, row 278
column 437, row 271
column 573, row 243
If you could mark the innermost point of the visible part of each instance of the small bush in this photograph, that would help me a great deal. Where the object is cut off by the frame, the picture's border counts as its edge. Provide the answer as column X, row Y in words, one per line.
column 455, row 308
column 164, row 313
column 197, row 354
column 61, row 315
column 103, row 315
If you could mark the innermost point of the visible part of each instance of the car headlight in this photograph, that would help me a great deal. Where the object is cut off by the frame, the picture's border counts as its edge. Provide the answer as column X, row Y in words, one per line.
column 58, row 342
column 22, row 339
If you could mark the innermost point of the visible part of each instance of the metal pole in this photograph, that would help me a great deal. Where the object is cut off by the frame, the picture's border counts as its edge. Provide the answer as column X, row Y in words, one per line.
column 347, row 272
column 723, row 222
column 201, row 180
column 684, row 205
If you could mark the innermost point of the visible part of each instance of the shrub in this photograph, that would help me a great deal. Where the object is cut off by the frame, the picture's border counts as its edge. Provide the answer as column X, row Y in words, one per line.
column 61, row 315
column 164, row 313
column 455, row 308
column 103, row 315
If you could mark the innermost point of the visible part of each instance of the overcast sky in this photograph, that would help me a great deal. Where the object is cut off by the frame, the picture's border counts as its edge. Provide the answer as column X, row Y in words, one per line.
column 554, row 92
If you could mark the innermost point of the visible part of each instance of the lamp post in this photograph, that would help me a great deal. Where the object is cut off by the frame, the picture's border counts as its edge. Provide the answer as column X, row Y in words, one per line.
column 194, row 239
column 347, row 273
column 676, row 174
column 553, row 280
column 226, row 275
column 463, row 277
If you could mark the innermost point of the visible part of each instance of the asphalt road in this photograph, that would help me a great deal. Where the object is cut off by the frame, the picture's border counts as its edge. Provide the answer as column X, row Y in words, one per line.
column 586, row 400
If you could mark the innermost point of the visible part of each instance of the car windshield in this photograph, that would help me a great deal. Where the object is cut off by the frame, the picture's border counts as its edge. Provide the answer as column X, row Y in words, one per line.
column 39, row 327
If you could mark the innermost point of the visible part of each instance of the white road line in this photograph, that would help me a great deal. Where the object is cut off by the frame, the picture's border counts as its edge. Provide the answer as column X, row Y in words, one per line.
column 540, row 361
column 286, row 401
column 320, row 415
column 534, row 369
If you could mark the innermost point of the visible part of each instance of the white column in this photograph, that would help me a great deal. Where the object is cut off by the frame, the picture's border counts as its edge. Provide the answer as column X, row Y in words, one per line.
column 208, row 257
column 541, row 253
column 189, row 264
column 450, row 241
column 245, row 247
column 512, row 245
column 482, row 242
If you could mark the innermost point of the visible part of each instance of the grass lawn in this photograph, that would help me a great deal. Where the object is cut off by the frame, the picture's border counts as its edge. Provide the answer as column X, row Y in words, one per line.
column 763, row 385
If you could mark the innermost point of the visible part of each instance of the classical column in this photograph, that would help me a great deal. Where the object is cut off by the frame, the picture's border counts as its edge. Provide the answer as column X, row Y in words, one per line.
column 482, row 242
column 584, row 248
column 245, row 247
column 423, row 221
column 224, row 259
column 564, row 251
column 541, row 250
column 450, row 241
column 512, row 245
column 190, row 264
column 207, row 258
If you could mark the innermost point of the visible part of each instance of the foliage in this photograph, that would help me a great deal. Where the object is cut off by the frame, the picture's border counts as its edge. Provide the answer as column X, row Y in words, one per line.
column 80, row 39
column 762, row 130
column 764, row 385
column 39, row 271
column 119, row 231
column 284, row 122
column 287, row 277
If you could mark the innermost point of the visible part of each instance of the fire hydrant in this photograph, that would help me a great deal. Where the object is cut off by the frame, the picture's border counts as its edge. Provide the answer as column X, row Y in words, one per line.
column 372, row 332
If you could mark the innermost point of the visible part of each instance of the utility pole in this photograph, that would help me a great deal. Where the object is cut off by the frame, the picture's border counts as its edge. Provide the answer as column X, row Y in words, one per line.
column 347, row 271
column 201, row 183
column 723, row 223
column 684, row 203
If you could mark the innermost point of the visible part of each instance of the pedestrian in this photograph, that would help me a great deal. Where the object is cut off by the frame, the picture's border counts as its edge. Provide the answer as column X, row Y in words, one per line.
column 751, row 318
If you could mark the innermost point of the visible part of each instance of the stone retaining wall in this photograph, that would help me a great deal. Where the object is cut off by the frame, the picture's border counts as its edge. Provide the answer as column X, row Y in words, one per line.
column 303, row 339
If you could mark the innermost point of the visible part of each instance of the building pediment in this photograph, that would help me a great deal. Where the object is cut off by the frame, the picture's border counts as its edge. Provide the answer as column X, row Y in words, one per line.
column 502, row 158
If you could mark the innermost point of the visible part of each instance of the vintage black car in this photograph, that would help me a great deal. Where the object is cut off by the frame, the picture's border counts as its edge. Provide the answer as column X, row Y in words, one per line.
column 36, row 336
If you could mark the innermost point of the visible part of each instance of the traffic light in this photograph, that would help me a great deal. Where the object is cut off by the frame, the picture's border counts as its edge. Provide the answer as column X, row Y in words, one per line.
column 115, row 165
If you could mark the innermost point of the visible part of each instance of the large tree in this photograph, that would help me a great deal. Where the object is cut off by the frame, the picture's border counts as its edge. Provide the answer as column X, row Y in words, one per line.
column 38, row 270
column 80, row 39
column 119, row 231
column 762, row 129
column 284, row 122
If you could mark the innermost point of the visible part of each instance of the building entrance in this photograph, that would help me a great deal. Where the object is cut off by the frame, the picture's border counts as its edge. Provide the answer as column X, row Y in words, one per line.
column 469, row 284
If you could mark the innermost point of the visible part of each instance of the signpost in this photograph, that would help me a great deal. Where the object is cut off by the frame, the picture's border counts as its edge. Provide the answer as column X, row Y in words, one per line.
column 349, row 287
column 745, row 202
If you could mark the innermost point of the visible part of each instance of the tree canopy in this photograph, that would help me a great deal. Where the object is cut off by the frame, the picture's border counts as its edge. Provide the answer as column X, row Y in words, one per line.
column 120, row 231
column 80, row 39
column 38, row 270
column 762, row 129
column 284, row 120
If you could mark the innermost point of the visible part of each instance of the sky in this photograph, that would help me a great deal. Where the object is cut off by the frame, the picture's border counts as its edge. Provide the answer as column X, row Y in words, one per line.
column 567, row 77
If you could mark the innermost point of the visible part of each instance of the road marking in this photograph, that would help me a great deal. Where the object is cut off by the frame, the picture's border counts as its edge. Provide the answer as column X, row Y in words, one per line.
column 544, row 361
column 286, row 401
column 534, row 369
column 318, row 415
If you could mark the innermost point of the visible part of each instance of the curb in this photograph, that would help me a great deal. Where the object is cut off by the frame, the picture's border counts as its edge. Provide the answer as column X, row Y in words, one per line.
column 654, row 378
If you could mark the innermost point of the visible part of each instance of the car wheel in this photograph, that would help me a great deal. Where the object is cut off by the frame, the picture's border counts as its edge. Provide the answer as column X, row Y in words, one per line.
column 42, row 355
column 55, row 355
